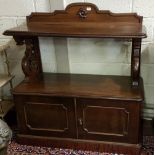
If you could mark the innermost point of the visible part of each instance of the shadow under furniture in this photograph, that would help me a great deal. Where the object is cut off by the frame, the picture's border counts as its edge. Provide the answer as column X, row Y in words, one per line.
column 91, row 112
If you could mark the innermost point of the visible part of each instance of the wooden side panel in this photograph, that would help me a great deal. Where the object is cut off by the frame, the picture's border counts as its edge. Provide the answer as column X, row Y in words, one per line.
column 109, row 120
column 46, row 116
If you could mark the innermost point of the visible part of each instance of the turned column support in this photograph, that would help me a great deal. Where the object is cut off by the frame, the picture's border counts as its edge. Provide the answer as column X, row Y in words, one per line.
column 31, row 62
column 135, row 61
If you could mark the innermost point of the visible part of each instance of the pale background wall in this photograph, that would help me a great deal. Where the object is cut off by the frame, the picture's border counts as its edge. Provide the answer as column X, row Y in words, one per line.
column 94, row 56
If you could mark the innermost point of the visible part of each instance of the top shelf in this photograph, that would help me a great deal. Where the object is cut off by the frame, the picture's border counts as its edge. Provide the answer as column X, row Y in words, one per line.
column 81, row 20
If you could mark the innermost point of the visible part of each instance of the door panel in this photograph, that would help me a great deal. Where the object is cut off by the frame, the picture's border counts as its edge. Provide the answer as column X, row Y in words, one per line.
column 56, row 113
column 47, row 116
column 109, row 120
column 117, row 124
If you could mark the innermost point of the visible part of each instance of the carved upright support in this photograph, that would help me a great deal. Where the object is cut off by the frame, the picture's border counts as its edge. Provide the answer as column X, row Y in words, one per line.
column 31, row 62
column 135, row 61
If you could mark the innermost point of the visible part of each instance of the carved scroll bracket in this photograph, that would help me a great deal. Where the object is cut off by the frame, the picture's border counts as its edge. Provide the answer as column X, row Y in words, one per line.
column 31, row 62
column 135, row 61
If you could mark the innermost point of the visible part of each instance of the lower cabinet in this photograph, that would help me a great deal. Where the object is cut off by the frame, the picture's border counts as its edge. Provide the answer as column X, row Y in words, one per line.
column 79, row 118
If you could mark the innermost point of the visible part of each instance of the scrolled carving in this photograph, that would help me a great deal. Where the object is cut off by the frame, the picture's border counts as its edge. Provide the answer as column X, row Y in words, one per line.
column 82, row 13
column 136, row 66
column 31, row 63
column 135, row 61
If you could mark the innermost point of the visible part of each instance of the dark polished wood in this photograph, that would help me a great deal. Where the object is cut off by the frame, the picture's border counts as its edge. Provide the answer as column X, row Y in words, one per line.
column 69, row 23
column 81, row 107
column 135, row 61
column 73, row 110
column 46, row 116
column 108, row 120
column 31, row 62
column 83, row 85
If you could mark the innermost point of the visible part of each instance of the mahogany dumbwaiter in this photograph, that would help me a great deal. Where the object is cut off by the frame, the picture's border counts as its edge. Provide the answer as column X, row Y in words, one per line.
column 76, row 110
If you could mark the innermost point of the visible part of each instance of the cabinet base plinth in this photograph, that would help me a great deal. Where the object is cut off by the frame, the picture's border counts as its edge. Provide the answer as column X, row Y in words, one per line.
column 100, row 146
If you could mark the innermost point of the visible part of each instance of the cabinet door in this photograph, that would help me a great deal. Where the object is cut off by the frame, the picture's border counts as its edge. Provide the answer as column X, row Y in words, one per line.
column 46, row 116
column 109, row 120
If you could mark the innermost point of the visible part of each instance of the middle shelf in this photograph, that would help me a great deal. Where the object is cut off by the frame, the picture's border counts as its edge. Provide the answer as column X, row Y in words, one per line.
column 83, row 85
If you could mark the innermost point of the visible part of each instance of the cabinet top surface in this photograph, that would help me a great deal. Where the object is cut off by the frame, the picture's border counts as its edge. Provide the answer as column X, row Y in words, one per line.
column 81, row 85
column 81, row 20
